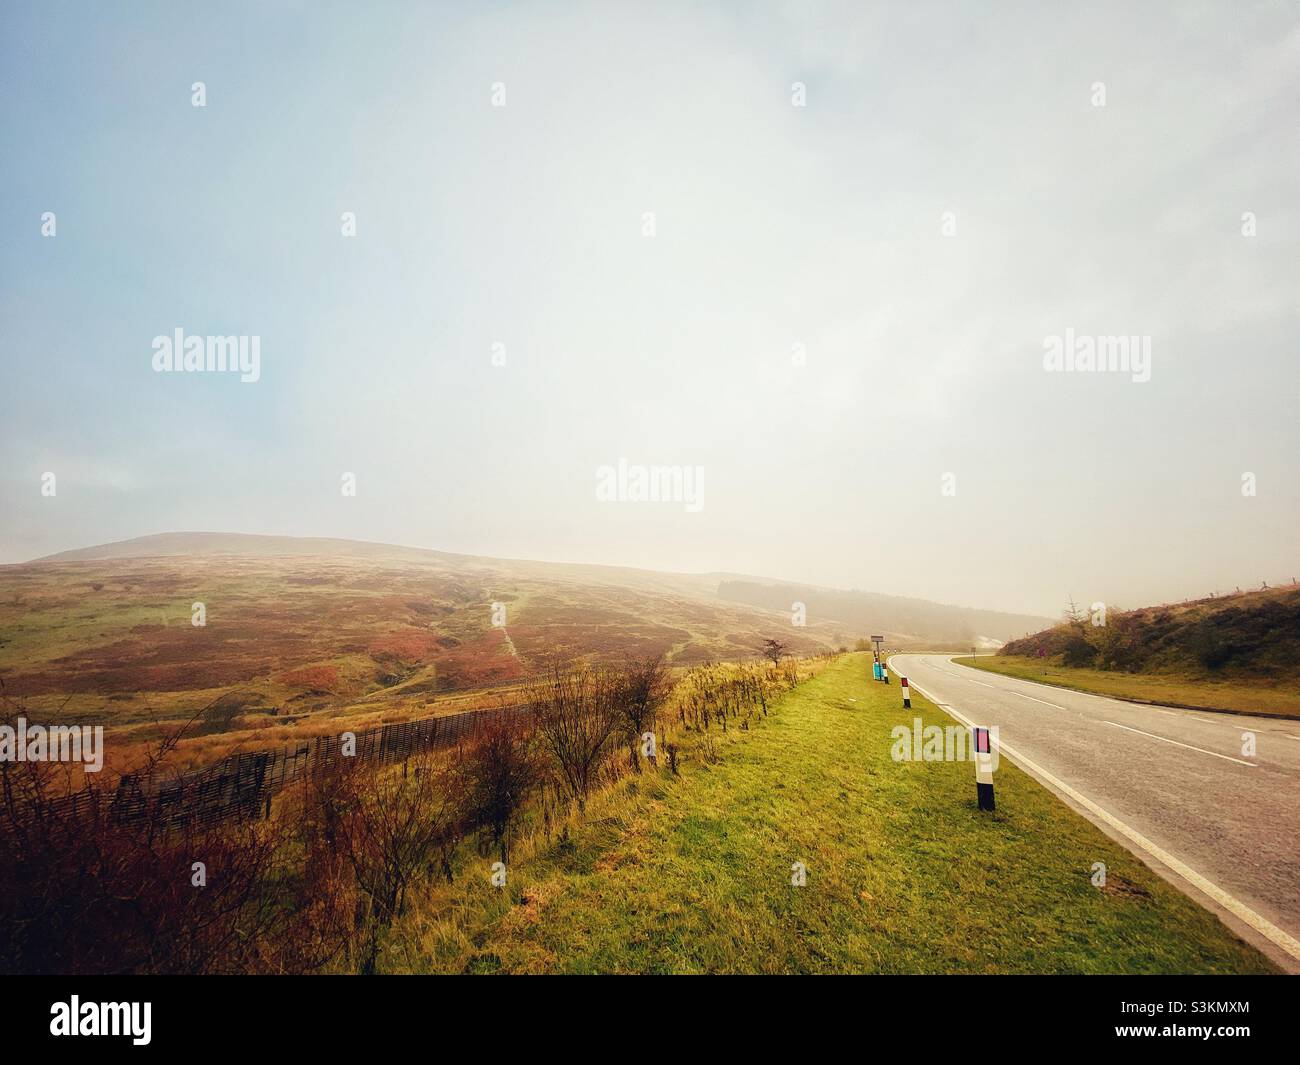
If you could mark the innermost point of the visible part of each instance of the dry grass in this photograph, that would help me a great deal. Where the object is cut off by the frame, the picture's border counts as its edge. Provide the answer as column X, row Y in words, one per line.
column 1261, row 696
column 692, row 874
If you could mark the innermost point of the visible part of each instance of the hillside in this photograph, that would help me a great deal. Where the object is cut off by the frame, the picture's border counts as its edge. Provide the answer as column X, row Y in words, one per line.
column 1247, row 635
column 903, row 621
column 298, row 634
column 1237, row 653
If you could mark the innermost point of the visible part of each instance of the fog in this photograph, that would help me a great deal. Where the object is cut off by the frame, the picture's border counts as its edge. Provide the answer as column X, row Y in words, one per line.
column 813, row 270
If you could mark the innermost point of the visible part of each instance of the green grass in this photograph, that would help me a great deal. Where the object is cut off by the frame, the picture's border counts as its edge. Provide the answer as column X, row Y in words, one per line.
column 1265, row 696
column 905, row 874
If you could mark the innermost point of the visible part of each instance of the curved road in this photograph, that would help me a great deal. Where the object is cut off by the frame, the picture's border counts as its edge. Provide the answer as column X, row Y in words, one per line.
column 1173, row 785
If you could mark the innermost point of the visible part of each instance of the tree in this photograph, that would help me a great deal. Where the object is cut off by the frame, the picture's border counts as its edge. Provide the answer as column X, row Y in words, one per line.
column 774, row 650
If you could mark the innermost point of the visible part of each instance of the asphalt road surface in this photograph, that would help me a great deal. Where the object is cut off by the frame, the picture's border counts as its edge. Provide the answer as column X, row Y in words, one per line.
column 1222, row 824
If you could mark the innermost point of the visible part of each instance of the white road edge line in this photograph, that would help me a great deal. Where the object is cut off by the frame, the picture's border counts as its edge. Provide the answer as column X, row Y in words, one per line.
column 1176, row 743
column 1234, row 906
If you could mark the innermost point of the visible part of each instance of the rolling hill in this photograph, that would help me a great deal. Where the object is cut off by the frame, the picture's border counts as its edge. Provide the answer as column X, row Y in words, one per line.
column 902, row 620
column 1237, row 653
column 1245, row 634
column 299, row 634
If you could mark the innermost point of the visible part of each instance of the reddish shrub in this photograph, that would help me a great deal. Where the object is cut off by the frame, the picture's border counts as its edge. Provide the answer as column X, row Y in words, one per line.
column 405, row 645
column 323, row 678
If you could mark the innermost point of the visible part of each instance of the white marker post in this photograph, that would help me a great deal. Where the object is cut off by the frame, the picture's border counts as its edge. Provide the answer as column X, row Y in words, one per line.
column 884, row 673
column 907, row 693
column 983, row 768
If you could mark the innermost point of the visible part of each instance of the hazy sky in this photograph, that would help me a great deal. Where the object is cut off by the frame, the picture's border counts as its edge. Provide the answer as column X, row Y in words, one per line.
column 775, row 225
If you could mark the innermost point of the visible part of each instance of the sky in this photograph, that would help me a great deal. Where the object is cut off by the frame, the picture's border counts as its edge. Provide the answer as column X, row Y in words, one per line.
column 811, row 255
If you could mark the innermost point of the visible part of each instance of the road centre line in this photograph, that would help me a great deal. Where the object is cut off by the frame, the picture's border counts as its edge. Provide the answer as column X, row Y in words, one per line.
column 1030, row 697
column 1233, row 905
column 1177, row 743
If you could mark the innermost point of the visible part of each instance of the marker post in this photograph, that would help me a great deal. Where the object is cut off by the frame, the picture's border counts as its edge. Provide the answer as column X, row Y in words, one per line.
column 983, row 768
column 907, row 693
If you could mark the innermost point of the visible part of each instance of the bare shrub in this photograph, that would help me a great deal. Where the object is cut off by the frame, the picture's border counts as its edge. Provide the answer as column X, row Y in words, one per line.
column 500, row 771
column 577, row 716
column 389, row 826
column 641, row 688
column 83, row 891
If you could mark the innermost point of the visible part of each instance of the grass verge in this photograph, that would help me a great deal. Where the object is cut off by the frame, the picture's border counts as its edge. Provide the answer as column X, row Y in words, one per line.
column 904, row 873
column 1229, row 696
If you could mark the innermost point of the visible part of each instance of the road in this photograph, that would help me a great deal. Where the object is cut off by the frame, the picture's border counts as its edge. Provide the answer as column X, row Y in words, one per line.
column 1173, row 785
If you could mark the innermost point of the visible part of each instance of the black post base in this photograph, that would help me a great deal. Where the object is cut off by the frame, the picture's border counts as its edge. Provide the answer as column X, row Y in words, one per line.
column 985, row 792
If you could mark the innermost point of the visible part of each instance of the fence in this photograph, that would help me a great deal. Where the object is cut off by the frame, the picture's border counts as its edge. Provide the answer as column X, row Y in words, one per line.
column 242, row 785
